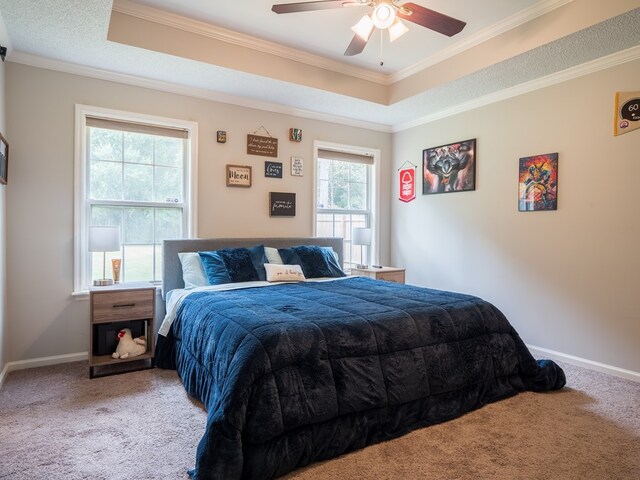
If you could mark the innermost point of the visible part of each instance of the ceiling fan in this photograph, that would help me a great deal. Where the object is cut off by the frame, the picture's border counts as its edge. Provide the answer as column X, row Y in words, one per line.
column 386, row 14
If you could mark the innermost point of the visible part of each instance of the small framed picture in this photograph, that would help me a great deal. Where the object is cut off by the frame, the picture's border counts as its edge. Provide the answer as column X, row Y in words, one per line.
column 297, row 166
column 221, row 136
column 238, row 176
column 4, row 159
column 295, row 134
column 538, row 183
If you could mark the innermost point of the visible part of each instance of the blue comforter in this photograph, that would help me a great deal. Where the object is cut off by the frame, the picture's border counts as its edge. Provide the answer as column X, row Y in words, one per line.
column 295, row 373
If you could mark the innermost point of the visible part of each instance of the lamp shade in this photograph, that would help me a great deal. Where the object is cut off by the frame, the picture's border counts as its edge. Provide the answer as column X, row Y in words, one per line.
column 361, row 236
column 104, row 239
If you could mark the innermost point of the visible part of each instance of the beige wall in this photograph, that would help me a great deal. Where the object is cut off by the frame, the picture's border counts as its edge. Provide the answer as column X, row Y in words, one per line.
column 44, row 319
column 3, row 238
column 568, row 280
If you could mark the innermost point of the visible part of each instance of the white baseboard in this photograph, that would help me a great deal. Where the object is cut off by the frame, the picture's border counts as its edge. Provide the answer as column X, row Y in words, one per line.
column 41, row 362
column 539, row 352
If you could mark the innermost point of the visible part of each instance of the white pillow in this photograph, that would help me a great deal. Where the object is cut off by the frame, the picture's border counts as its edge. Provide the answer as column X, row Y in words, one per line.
column 284, row 273
column 272, row 255
column 192, row 270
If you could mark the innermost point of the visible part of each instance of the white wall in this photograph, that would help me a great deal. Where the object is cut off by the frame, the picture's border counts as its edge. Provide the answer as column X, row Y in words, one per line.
column 4, row 339
column 44, row 319
column 568, row 280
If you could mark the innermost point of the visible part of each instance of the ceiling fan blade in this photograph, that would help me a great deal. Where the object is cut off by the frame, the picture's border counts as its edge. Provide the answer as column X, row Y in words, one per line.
column 357, row 45
column 307, row 6
column 431, row 19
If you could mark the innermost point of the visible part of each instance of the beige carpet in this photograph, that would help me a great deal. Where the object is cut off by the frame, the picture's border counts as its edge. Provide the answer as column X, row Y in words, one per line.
column 55, row 423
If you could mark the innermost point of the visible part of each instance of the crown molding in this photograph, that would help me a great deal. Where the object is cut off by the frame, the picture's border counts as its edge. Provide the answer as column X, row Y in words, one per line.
column 514, row 21
column 593, row 66
column 144, row 12
column 75, row 69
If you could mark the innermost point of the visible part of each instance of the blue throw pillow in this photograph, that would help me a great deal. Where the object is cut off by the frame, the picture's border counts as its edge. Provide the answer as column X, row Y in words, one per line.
column 315, row 261
column 231, row 265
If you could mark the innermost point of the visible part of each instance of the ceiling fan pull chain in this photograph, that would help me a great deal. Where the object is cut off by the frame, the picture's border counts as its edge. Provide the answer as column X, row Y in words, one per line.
column 381, row 41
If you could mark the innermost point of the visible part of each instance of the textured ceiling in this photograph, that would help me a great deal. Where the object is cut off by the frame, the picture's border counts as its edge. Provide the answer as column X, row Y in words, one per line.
column 75, row 31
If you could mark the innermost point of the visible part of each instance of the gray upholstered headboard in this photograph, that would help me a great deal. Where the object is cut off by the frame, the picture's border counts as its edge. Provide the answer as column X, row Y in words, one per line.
column 172, row 269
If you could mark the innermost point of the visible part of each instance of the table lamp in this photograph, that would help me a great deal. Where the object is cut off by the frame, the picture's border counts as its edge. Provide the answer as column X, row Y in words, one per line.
column 104, row 239
column 361, row 236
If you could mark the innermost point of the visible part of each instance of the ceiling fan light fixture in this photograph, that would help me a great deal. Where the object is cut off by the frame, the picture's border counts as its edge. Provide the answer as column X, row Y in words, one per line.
column 364, row 27
column 397, row 29
column 383, row 15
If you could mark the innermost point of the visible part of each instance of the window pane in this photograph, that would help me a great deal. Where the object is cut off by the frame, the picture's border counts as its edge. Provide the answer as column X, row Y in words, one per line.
column 106, row 216
column 158, row 273
column 138, row 182
column 357, row 196
column 324, row 225
column 105, row 144
column 169, row 151
column 137, row 263
column 168, row 184
column 324, row 169
column 339, row 192
column 138, row 147
column 106, row 180
column 97, row 271
column 138, row 226
column 168, row 224
column 358, row 172
column 322, row 199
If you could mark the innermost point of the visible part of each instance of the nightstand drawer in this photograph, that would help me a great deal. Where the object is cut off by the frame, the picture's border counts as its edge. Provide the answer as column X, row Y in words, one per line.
column 396, row 277
column 124, row 305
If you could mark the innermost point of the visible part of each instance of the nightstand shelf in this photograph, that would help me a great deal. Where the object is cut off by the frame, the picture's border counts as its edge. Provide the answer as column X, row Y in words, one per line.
column 389, row 274
column 129, row 305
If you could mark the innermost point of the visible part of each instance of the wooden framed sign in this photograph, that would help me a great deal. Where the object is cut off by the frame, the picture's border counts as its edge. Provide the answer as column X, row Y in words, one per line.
column 282, row 204
column 265, row 146
column 238, row 176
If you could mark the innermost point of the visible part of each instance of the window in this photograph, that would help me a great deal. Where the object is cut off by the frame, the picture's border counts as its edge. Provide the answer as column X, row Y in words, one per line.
column 133, row 172
column 344, row 198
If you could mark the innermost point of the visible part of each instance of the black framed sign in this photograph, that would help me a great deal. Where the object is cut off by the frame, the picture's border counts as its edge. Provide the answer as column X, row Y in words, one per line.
column 282, row 204
column 4, row 159
column 273, row 169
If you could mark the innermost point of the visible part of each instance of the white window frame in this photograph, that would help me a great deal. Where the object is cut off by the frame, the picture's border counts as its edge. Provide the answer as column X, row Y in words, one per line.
column 373, row 194
column 81, row 274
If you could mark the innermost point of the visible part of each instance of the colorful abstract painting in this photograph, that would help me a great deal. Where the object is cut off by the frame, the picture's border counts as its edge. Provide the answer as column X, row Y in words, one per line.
column 449, row 168
column 538, row 183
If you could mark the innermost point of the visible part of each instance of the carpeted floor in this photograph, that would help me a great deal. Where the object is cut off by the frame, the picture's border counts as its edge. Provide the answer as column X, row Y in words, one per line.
column 55, row 423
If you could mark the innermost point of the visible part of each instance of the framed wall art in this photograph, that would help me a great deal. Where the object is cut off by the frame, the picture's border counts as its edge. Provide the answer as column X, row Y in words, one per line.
column 273, row 169
column 282, row 204
column 538, row 183
column 295, row 134
column 297, row 167
column 4, row 159
column 221, row 136
column 238, row 176
column 449, row 168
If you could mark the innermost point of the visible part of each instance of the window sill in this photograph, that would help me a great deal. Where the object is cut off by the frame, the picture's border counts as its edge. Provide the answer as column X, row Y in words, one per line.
column 84, row 294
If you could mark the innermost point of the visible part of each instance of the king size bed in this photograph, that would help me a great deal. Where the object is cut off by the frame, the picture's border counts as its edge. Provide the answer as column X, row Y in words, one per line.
column 295, row 372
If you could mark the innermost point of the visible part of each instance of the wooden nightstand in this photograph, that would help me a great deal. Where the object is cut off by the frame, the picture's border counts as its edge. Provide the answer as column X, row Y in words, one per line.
column 128, row 305
column 390, row 274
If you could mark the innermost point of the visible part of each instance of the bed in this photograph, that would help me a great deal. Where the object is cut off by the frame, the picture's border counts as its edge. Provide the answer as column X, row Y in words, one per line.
column 293, row 373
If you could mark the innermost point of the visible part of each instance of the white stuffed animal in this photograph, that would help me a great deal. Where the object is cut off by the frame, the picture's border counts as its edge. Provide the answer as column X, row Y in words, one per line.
column 129, row 347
